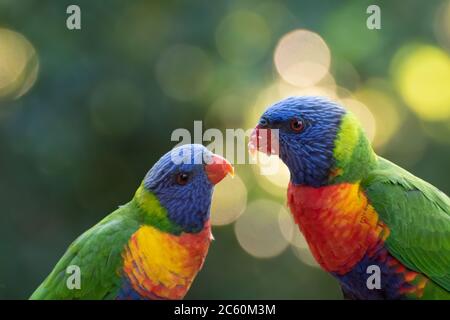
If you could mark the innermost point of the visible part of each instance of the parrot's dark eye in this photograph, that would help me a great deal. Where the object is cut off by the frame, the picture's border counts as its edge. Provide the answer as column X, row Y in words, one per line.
column 182, row 178
column 297, row 125
column 263, row 123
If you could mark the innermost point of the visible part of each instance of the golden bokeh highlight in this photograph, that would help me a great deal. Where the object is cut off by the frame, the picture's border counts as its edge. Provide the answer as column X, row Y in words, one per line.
column 302, row 58
column 279, row 90
column 272, row 169
column 363, row 114
column 19, row 64
column 229, row 201
column 243, row 37
column 385, row 111
column 184, row 72
column 257, row 229
column 291, row 232
column 422, row 75
column 305, row 256
column 326, row 87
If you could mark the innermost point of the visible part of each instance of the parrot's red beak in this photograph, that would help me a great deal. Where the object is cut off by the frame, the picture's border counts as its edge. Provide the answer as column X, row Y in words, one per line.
column 218, row 168
column 263, row 140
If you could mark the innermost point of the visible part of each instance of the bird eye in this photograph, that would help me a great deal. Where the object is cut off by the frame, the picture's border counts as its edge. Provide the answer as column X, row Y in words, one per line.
column 297, row 125
column 263, row 123
column 182, row 178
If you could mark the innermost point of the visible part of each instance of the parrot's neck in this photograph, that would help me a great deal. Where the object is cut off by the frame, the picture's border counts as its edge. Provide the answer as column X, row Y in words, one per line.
column 152, row 213
column 339, row 224
column 353, row 155
column 346, row 237
column 159, row 265
column 347, row 160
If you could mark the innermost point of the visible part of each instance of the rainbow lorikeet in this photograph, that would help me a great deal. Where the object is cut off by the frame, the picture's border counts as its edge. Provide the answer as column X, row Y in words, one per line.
column 153, row 246
column 359, row 213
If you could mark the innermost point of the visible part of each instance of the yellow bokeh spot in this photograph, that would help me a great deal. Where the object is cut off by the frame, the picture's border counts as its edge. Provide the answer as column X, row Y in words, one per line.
column 305, row 256
column 385, row 111
column 422, row 75
column 229, row 201
column 291, row 231
column 19, row 64
column 363, row 114
column 272, row 169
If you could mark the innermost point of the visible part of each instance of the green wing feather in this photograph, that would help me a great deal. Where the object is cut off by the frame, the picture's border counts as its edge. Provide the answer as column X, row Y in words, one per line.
column 418, row 216
column 98, row 254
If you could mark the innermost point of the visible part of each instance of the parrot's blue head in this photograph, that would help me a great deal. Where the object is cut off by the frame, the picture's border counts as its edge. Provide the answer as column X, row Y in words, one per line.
column 183, row 181
column 307, row 130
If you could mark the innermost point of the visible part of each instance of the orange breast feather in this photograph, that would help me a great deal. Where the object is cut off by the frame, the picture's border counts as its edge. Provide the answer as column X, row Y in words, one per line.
column 162, row 266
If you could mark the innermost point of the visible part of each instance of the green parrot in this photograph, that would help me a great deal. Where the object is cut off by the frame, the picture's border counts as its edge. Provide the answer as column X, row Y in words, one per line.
column 381, row 231
column 153, row 246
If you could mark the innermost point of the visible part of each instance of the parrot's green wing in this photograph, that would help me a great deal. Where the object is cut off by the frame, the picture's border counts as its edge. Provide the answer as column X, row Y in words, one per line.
column 418, row 216
column 97, row 253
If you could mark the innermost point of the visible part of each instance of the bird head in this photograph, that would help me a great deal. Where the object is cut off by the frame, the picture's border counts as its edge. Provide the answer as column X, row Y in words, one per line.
column 318, row 140
column 182, row 181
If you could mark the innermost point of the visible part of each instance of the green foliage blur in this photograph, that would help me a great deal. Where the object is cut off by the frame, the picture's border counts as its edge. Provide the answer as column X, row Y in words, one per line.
column 107, row 98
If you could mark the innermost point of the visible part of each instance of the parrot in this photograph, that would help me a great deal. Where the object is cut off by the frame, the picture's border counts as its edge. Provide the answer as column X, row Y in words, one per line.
column 382, row 232
column 152, row 247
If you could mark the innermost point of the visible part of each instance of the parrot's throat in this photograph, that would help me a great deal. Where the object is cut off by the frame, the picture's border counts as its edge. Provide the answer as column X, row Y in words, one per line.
column 346, row 237
column 158, row 265
column 340, row 226
column 152, row 213
column 353, row 156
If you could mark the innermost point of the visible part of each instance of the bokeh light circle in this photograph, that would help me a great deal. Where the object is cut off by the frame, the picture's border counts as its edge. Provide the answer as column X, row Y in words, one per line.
column 385, row 111
column 422, row 75
column 229, row 201
column 302, row 58
column 272, row 169
column 258, row 232
column 305, row 256
column 363, row 114
column 279, row 90
column 184, row 72
column 292, row 234
column 19, row 64
column 290, row 230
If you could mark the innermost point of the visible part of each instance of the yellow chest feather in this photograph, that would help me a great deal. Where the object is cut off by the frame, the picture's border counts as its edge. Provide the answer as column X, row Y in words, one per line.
column 160, row 265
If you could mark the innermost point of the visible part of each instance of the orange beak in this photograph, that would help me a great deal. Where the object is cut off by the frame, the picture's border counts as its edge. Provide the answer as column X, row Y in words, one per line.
column 218, row 168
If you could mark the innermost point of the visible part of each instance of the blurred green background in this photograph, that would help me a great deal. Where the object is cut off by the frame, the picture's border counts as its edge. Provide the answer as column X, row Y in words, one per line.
column 85, row 113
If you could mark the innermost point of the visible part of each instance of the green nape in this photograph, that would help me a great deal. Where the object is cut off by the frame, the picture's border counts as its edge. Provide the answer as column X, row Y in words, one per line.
column 98, row 251
column 153, row 213
column 353, row 154
column 418, row 217
column 98, row 255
